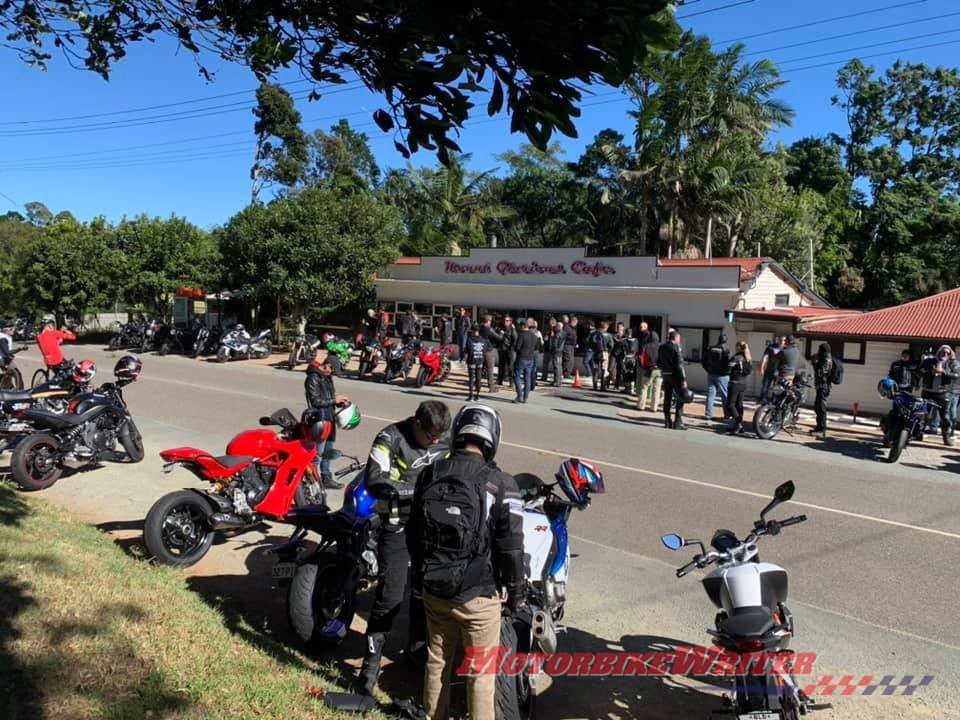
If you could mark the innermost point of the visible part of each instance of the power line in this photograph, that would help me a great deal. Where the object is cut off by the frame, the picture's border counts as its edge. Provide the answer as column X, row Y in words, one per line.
column 12, row 201
column 851, row 34
column 821, row 22
column 158, row 119
column 142, row 109
column 716, row 9
column 866, row 47
column 874, row 55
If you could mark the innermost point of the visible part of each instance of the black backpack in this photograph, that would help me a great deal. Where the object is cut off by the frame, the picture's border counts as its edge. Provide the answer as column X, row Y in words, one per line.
column 836, row 372
column 597, row 341
column 455, row 536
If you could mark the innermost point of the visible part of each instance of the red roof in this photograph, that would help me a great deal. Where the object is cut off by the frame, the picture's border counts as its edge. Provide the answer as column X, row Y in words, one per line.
column 933, row 318
column 805, row 312
column 749, row 266
column 408, row 260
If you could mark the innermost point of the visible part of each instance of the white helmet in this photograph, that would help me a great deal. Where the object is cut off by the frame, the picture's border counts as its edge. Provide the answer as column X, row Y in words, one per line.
column 348, row 417
column 480, row 424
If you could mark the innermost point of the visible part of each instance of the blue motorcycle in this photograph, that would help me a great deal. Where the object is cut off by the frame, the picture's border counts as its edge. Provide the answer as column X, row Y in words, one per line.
column 905, row 421
column 322, row 582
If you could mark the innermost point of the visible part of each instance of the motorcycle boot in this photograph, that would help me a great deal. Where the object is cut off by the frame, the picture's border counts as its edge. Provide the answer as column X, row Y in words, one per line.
column 370, row 670
column 329, row 483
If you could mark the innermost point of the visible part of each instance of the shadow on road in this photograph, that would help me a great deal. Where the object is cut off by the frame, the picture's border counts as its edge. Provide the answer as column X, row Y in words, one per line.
column 859, row 449
column 627, row 698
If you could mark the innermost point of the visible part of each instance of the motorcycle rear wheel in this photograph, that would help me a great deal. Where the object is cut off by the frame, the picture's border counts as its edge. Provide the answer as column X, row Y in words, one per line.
column 899, row 443
column 176, row 531
column 40, row 377
column 764, row 422
column 311, row 604
column 12, row 380
column 35, row 464
column 514, row 697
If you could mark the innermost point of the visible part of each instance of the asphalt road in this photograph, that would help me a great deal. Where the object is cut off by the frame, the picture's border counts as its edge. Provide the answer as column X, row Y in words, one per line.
column 873, row 585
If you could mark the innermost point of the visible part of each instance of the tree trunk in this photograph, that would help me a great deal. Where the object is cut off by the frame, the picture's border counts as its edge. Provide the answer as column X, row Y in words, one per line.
column 255, row 173
column 734, row 229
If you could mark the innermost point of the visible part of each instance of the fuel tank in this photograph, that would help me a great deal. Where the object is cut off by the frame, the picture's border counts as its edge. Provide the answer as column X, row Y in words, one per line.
column 253, row 443
column 747, row 585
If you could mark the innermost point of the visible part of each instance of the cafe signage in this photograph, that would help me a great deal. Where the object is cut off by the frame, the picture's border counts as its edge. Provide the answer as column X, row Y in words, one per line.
column 507, row 267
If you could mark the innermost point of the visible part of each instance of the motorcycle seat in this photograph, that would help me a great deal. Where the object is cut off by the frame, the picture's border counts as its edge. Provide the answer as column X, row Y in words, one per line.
column 748, row 622
column 234, row 463
column 221, row 467
column 16, row 396
column 53, row 420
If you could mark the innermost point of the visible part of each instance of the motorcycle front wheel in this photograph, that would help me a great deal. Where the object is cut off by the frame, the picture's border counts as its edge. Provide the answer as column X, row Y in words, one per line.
column 765, row 422
column 319, row 615
column 35, row 464
column 12, row 380
column 223, row 354
column 422, row 377
column 176, row 531
column 164, row 349
column 132, row 441
column 40, row 377
column 898, row 444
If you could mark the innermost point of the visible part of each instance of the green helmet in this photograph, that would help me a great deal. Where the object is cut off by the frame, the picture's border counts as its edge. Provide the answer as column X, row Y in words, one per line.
column 348, row 417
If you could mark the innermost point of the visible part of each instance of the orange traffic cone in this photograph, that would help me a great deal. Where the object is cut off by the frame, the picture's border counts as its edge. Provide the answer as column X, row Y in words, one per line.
column 576, row 379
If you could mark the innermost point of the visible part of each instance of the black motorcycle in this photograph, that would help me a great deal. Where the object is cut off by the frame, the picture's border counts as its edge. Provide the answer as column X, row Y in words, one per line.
column 24, row 329
column 206, row 341
column 323, row 582
column 173, row 339
column 128, row 335
column 53, row 396
column 782, row 411
column 400, row 359
column 85, row 435
column 152, row 330
column 304, row 349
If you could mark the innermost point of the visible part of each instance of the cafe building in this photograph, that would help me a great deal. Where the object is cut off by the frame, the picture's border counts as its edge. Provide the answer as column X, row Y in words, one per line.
column 696, row 297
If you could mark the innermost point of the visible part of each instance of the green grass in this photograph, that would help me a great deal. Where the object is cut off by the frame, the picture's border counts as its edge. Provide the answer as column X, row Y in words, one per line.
column 88, row 632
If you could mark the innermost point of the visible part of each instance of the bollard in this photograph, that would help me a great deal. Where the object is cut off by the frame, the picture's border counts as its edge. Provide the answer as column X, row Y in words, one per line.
column 856, row 411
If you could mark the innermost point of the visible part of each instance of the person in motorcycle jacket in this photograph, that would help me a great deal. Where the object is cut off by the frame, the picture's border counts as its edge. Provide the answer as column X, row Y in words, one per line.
column 904, row 371
column 822, row 375
column 400, row 451
column 6, row 345
column 939, row 374
column 467, row 605
column 322, row 396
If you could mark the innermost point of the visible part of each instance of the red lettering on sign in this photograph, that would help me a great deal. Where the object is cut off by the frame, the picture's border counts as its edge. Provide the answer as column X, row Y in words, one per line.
column 457, row 268
column 505, row 267
column 595, row 270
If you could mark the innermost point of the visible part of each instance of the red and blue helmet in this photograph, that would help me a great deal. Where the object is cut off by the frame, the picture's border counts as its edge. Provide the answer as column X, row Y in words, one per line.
column 578, row 479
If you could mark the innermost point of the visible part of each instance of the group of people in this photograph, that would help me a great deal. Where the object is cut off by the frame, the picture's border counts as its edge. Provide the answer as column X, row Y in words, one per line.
column 452, row 566
column 937, row 379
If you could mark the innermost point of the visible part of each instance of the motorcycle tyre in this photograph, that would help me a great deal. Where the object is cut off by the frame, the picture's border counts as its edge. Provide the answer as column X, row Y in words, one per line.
column 422, row 377
column 19, row 467
column 896, row 448
column 766, row 432
column 153, row 529
column 300, row 603
column 513, row 697
column 132, row 441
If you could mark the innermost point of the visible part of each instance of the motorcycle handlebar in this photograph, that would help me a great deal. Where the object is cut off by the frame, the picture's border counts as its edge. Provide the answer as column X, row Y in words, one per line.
column 352, row 467
column 793, row 520
column 688, row 567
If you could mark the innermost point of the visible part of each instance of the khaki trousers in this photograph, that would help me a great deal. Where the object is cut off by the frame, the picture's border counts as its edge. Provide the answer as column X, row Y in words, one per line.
column 649, row 383
column 477, row 624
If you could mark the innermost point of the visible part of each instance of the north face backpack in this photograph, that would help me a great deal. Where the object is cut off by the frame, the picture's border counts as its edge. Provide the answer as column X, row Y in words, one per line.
column 836, row 372
column 454, row 534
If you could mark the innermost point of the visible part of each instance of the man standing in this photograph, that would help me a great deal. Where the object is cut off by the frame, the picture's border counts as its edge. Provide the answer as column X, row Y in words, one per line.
column 823, row 364
column 768, row 366
column 445, row 330
column 399, row 453
column 903, row 371
column 650, row 378
column 408, row 327
column 588, row 350
column 555, row 350
column 466, row 539
column 939, row 375
column 670, row 362
column 716, row 361
column 49, row 341
column 526, row 351
column 570, row 341
column 371, row 326
column 475, row 355
column 547, row 357
column 492, row 358
column 788, row 362
column 616, row 358
column 508, row 353
column 322, row 396
column 463, row 330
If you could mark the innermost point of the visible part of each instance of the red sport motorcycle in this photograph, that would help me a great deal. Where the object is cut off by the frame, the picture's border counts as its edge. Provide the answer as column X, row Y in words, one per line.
column 434, row 365
column 263, row 474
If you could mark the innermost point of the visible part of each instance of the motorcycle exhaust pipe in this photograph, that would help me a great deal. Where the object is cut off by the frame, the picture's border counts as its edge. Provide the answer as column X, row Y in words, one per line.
column 226, row 521
column 544, row 632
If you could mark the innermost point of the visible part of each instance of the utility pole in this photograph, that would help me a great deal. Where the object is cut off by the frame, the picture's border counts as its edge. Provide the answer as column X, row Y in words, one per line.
column 813, row 280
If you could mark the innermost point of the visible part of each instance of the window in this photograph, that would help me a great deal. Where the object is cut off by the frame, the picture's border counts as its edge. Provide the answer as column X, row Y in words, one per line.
column 695, row 341
column 781, row 300
column 849, row 351
column 654, row 321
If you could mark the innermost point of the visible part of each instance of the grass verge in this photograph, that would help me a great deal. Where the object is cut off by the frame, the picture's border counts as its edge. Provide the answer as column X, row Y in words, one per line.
column 86, row 632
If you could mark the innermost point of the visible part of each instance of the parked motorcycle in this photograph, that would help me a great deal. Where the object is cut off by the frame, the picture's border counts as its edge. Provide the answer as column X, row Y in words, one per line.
column 322, row 583
column 86, row 434
column 24, row 329
column 782, row 411
column 206, row 341
column 10, row 376
column 152, row 329
column 128, row 335
column 263, row 474
column 400, row 359
column 237, row 344
column 370, row 352
column 171, row 338
column 303, row 350
column 905, row 421
column 753, row 616
column 53, row 396
column 434, row 365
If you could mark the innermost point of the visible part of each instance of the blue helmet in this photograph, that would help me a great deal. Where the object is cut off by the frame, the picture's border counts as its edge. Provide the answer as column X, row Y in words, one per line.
column 887, row 388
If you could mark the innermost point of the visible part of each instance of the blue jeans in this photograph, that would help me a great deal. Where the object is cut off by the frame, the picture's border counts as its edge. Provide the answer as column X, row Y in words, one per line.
column 952, row 411
column 463, row 344
column 523, row 378
column 768, row 381
column 588, row 362
column 716, row 385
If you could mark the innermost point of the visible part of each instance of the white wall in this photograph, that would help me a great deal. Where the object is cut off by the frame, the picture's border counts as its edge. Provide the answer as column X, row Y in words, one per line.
column 766, row 286
column 860, row 381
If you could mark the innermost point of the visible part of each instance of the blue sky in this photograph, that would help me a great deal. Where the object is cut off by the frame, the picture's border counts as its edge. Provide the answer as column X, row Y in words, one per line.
column 193, row 159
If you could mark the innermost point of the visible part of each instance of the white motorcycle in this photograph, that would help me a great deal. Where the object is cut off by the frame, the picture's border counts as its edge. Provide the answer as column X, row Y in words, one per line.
column 238, row 345
column 753, row 617
column 546, row 549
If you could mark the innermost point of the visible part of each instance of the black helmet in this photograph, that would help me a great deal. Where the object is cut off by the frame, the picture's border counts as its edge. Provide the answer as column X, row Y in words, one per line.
column 127, row 368
column 479, row 424
column 687, row 395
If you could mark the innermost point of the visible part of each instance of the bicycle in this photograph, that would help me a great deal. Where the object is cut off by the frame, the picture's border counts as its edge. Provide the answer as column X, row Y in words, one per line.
column 11, row 377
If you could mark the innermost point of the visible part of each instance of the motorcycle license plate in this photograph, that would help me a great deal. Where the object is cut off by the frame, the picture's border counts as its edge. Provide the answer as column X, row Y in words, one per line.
column 759, row 716
column 284, row 571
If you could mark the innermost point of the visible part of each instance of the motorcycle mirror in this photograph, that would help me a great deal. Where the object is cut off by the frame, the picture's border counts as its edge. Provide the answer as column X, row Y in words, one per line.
column 266, row 421
column 672, row 541
column 785, row 491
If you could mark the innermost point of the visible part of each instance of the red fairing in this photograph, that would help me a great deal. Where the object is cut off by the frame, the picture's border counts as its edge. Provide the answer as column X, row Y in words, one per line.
column 255, row 443
column 432, row 359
